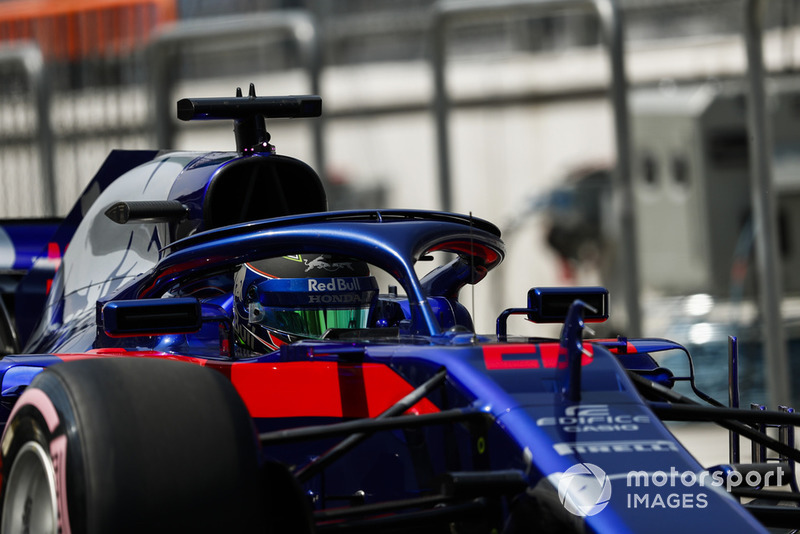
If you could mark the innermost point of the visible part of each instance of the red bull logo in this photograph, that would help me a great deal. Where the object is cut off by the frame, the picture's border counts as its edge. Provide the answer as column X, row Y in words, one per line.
column 333, row 284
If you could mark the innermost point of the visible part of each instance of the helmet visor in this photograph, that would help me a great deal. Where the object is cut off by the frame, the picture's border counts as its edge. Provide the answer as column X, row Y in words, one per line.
column 308, row 307
column 313, row 323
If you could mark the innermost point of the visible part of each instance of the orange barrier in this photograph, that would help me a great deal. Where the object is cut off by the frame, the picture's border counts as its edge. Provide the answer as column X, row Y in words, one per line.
column 84, row 28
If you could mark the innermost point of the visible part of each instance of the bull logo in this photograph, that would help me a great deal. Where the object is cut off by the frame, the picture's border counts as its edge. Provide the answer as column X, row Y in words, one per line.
column 330, row 266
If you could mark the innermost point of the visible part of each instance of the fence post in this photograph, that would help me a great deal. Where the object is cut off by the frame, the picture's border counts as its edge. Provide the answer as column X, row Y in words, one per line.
column 607, row 11
column 776, row 361
column 29, row 57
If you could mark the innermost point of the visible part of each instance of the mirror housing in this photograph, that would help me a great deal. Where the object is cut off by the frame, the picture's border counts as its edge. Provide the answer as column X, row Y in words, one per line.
column 151, row 317
column 551, row 304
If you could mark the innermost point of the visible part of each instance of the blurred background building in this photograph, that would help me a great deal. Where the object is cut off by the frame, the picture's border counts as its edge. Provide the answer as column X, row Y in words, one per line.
column 532, row 144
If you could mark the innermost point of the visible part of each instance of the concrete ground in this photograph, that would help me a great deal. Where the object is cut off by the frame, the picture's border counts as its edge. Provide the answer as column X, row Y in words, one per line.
column 707, row 442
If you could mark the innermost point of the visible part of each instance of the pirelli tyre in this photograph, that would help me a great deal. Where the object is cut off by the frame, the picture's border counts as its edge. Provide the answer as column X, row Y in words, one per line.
column 130, row 445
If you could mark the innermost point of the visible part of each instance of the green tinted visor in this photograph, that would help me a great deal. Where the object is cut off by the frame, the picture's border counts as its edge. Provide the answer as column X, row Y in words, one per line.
column 313, row 323
column 309, row 307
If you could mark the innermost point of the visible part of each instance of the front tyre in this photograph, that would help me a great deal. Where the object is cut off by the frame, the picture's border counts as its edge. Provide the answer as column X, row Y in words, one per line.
column 130, row 445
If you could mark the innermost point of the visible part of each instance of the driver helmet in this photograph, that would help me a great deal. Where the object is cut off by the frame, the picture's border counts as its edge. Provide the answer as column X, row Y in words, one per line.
column 281, row 300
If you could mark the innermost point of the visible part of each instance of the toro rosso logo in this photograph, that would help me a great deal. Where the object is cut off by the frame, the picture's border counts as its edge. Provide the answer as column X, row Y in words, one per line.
column 320, row 263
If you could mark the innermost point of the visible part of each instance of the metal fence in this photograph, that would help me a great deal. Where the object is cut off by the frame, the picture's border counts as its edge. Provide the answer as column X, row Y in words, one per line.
column 26, row 165
column 71, row 92
column 118, row 95
column 52, row 140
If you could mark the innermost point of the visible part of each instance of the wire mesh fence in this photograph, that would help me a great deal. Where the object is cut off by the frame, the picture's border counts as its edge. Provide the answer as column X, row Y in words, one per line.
column 99, row 88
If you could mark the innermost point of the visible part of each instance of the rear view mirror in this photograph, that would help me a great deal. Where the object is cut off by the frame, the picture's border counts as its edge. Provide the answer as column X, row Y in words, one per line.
column 150, row 317
column 551, row 304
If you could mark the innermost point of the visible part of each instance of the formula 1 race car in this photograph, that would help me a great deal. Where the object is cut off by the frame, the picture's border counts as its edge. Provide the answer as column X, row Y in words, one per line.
column 200, row 346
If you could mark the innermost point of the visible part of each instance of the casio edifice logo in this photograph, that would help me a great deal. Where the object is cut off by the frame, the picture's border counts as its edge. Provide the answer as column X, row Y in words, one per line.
column 594, row 418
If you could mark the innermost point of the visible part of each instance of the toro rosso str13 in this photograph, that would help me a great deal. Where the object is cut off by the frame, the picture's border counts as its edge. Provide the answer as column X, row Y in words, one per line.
column 201, row 346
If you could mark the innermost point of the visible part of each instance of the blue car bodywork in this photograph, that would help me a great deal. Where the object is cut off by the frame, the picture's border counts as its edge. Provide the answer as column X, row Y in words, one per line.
column 505, row 422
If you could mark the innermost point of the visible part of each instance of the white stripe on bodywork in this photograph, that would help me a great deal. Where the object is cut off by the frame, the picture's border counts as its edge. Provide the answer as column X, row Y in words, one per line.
column 8, row 254
column 98, row 260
